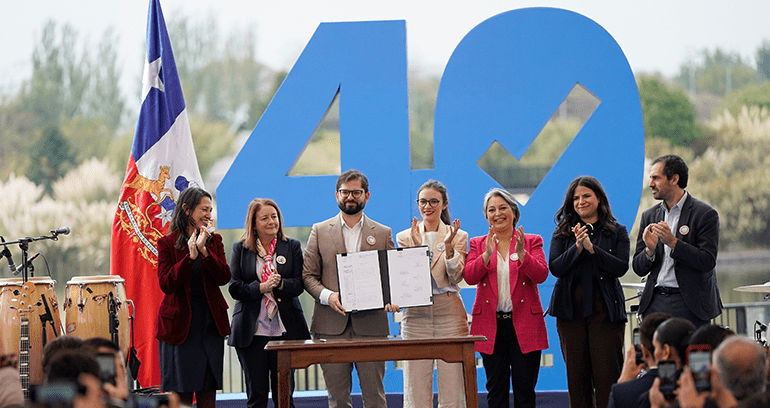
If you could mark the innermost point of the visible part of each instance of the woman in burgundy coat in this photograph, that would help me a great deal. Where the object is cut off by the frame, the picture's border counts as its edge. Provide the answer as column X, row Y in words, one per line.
column 507, row 265
column 192, row 318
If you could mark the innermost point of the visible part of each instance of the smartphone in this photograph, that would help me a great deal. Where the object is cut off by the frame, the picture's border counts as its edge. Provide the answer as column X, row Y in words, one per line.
column 699, row 360
column 157, row 400
column 55, row 394
column 107, row 370
column 638, row 347
column 162, row 398
column 668, row 376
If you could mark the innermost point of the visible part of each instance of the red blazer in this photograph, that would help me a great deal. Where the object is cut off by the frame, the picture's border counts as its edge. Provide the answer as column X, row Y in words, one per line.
column 525, row 276
column 174, row 270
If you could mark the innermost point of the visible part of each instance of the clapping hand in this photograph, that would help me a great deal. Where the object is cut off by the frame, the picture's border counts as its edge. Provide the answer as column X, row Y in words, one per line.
column 202, row 239
column 650, row 240
column 520, row 251
column 663, row 232
column 450, row 237
column 582, row 239
column 490, row 246
column 192, row 245
column 415, row 233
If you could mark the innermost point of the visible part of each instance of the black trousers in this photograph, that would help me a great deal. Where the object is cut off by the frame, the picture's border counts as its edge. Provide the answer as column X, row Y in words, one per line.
column 260, row 369
column 508, row 362
column 673, row 304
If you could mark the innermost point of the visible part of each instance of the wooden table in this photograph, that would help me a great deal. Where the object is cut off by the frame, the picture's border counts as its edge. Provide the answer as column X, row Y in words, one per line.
column 302, row 353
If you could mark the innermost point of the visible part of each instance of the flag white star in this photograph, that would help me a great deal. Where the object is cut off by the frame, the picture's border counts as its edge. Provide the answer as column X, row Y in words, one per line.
column 151, row 77
column 165, row 215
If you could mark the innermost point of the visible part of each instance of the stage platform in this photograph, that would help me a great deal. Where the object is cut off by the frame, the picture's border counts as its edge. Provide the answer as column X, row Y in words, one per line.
column 315, row 399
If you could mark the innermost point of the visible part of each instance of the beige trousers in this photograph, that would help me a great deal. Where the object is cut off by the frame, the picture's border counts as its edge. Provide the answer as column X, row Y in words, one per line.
column 445, row 318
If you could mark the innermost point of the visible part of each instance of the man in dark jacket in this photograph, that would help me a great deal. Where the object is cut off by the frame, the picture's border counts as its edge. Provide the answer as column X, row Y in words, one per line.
column 677, row 247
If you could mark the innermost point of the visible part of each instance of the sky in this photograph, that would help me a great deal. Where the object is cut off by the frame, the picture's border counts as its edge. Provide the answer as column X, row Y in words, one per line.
column 656, row 35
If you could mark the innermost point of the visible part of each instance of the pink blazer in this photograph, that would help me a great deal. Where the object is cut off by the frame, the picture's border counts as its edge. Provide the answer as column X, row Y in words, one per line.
column 524, row 277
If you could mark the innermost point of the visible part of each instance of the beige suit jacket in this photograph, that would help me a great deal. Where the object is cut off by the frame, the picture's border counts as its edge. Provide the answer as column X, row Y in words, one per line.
column 320, row 272
column 438, row 269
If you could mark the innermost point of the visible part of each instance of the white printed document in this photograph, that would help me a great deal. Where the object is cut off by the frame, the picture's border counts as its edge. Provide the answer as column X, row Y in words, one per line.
column 371, row 279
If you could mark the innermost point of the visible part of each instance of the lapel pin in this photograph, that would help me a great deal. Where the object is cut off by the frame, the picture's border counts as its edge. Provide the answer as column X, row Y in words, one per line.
column 370, row 240
column 684, row 230
column 280, row 259
column 514, row 256
column 441, row 247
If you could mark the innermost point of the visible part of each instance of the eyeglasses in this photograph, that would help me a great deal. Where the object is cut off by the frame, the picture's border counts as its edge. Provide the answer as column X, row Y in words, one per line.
column 433, row 202
column 355, row 193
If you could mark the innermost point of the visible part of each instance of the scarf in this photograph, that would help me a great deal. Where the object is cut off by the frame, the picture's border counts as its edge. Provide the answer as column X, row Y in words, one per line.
column 267, row 270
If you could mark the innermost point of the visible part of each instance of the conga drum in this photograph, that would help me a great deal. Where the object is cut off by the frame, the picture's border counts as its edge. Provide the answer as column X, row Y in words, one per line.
column 40, row 330
column 87, row 308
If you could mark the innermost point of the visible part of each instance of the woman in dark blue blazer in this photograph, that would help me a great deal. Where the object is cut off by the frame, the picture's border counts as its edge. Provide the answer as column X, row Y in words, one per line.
column 266, row 282
column 589, row 252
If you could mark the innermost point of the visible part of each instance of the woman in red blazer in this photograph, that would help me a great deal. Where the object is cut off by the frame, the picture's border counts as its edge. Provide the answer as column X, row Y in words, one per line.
column 192, row 318
column 507, row 265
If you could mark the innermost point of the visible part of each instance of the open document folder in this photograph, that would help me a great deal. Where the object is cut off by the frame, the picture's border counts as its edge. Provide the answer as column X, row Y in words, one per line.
column 372, row 279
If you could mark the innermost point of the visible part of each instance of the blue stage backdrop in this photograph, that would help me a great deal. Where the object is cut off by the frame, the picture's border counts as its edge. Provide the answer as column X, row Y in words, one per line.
column 502, row 83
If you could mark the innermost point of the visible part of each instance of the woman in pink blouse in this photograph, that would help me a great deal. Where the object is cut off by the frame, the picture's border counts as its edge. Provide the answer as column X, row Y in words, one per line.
column 507, row 265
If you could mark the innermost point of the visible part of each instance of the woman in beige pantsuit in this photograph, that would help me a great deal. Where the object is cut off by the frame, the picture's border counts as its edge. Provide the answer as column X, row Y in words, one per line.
column 446, row 317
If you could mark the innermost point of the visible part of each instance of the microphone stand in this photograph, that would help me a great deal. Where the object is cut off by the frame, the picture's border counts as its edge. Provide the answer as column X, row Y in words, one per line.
column 113, row 319
column 24, row 245
column 47, row 317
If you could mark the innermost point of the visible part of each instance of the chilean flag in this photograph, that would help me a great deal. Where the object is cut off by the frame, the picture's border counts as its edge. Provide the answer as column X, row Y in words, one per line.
column 161, row 165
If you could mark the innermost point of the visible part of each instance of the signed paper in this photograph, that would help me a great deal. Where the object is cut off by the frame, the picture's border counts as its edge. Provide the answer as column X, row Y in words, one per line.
column 370, row 279
column 360, row 281
column 409, row 273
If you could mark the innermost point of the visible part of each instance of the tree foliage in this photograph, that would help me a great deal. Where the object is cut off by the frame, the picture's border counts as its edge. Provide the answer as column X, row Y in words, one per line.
column 422, row 107
column 716, row 72
column 733, row 175
column 51, row 158
column 763, row 59
column 221, row 81
column 751, row 95
column 70, row 80
column 84, row 199
column 667, row 113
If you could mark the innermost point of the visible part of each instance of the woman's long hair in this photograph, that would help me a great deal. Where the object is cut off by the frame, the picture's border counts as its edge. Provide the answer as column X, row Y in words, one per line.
column 188, row 200
column 566, row 217
column 250, row 236
column 438, row 186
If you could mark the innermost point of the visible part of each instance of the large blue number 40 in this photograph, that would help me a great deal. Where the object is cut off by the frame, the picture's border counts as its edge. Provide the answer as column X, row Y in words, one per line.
column 503, row 82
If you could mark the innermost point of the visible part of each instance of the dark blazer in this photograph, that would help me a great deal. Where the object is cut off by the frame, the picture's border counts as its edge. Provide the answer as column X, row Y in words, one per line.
column 320, row 272
column 244, row 287
column 524, row 278
column 625, row 394
column 608, row 263
column 174, row 271
column 695, row 257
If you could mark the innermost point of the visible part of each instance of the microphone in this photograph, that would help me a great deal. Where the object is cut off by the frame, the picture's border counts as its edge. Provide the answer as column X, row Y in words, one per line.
column 761, row 327
column 60, row 231
column 7, row 253
column 17, row 269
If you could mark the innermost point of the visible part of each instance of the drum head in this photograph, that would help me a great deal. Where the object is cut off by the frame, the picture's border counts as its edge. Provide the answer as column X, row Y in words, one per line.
column 18, row 281
column 79, row 280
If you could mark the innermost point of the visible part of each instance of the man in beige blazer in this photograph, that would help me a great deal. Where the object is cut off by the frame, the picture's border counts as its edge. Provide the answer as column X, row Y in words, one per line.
column 349, row 231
